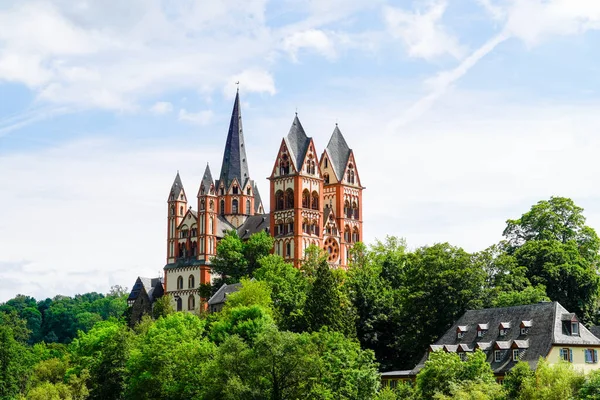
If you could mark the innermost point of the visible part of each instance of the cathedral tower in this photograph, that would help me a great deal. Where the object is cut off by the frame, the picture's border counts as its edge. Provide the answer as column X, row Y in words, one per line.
column 177, row 207
column 207, row 223
column 296, row 196
column 237, row 194
column 342, row 198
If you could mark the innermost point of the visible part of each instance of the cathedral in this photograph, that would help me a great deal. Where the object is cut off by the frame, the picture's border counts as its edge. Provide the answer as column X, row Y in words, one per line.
column 313, row 200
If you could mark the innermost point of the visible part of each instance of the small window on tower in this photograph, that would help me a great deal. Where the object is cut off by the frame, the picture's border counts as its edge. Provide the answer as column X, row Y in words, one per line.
column 235, row 190
column 249, row 192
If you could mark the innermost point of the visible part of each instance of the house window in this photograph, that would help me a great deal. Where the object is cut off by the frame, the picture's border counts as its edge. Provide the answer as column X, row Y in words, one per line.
column 497, row 356
column 463, row 356
column 515, row 354
column 591, row 356
column 575, row 328
column 502, row 332
column 480, row 333
column 566, row 354
column 524, row 331
column 459, row 335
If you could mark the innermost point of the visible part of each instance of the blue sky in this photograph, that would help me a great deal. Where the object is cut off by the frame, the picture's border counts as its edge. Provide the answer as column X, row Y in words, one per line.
column 462, row 114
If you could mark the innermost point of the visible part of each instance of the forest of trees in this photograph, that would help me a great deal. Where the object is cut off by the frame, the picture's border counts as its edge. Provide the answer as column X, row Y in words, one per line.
column 314, row 332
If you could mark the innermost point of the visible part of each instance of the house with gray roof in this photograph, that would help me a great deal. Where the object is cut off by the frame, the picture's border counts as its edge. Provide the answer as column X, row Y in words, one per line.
column 217, row 301
column 143, row 294
column 508, row 335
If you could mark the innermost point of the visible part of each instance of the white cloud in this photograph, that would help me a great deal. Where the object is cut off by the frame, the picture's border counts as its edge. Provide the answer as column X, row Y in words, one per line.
column 252, row 80
column 313, row 39
column 162, row 107
column 535, row 20
column 423, row 33
column 199, row 118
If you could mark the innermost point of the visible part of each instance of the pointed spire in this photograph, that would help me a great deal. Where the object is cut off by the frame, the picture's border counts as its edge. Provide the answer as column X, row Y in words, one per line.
column 235, row 164
column 207, row 179
column 297, row 142
column 176, row 188
column 338, row 151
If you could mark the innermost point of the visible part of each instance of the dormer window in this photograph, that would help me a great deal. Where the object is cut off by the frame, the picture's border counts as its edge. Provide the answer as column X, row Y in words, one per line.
column 503, row 328
column 570, row 324
column 482, row 329
column 575, row 328
column 460, row 331
column 524, row 326
column 497, row 356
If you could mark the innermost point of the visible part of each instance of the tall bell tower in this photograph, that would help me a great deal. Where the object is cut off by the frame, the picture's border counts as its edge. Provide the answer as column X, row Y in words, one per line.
column 296, row 196
column 177, row 207
column 342, row 198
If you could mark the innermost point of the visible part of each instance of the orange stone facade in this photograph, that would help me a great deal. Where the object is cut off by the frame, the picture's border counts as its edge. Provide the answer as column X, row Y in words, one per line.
column 314, row 200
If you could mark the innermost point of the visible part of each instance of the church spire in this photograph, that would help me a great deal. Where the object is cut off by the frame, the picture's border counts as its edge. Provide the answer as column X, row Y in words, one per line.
column 176, row 188
column 234, row 157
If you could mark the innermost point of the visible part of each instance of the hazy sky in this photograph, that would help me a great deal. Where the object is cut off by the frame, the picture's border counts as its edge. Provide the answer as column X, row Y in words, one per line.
column 461, row 114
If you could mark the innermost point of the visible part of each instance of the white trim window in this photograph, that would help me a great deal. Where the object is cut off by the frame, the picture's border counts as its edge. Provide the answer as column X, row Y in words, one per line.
column 591, row 356
column 497, row 356
column 515, row 355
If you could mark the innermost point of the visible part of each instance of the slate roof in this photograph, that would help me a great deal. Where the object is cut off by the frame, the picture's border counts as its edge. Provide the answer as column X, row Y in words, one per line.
column 253, row 224
column 297, row 143
column 235, row 164
column 257, row 199
column 152, row 286
column 221, row 295
column 338, row 152
column 222, row 226
column 207, row 179
column 546, row 329
column 176, row 187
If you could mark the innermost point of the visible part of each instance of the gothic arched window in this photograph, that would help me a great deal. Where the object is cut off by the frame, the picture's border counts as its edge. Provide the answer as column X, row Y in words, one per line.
column 284, row 165
column 179, row 282
column 248, row 207
column 354, row 210
column 279, row 200
column 350, row 174
column 315, row 201
column 178, row 300
column 326, row 178
column 202, row 204
column 289, row 199
column 191, row 282
column 191, row 302
column 234, row 206
column 222, row 207
column 305, row 199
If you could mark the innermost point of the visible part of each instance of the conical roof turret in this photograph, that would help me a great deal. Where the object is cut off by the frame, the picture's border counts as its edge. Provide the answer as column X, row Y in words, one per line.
column 235, row 164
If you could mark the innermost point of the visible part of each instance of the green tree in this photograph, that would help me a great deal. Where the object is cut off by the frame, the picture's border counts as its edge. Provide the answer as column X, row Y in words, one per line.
column 288, row 291
column 552, row 382
column 439, row 283
column 444, row 374
column 516, row 378
column 590, row 390
column 373, row 298
column 236, row 259
column 245, row 322
column 168, row 359
column 15, row 364
column 104, row 352
column 162, row 307
column 326, row 303
column 557, row 219
column 252, row 293
column 259, row 245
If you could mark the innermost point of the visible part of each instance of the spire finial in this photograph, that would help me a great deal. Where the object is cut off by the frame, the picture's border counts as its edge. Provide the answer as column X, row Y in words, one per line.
column 238, row 86
column 296, row 111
